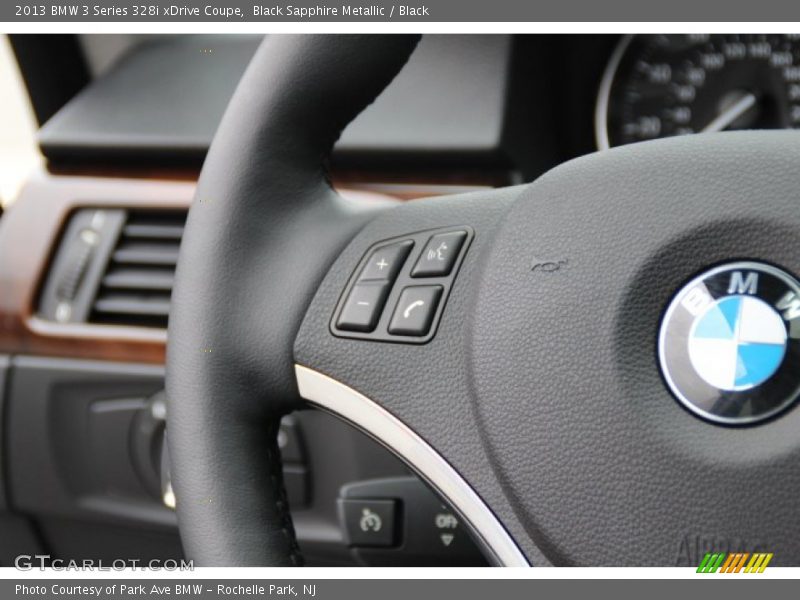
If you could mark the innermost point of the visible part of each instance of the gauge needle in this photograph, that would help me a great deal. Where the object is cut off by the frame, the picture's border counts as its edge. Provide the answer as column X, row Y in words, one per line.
column 730, row 114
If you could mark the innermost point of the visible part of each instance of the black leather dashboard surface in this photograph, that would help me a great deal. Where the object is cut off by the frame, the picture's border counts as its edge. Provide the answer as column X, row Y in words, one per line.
column 164, row 98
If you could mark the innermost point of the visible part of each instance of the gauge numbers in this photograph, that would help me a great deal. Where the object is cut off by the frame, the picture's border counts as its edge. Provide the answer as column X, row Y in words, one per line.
column 665, row 85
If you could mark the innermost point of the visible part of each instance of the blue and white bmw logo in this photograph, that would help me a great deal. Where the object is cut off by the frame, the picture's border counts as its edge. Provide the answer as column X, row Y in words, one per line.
column 730, row 343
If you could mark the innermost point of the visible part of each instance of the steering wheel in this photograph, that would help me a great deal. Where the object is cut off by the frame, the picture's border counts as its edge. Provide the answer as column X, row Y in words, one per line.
column 525, row 383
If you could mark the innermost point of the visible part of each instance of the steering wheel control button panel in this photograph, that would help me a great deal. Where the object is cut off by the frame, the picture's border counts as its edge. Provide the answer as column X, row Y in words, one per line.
column 415, row 310
column 363, row 306
column 369, row 523
column 385, row 299
column 729, row 343
column 427, row 530
column 439, row 255
column 384, row 263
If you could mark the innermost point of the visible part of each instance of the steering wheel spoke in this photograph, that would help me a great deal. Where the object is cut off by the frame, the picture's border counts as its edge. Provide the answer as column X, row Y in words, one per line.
column 409, row 388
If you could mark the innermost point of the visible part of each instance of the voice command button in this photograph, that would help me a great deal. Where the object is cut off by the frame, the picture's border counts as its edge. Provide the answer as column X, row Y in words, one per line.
column 439, row 255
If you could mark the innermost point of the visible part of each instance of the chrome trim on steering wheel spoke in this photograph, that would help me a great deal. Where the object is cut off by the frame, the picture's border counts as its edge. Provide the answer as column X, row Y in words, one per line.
column 347, row 403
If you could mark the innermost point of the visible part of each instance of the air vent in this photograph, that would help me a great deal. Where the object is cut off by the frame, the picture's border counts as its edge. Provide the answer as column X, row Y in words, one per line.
column 136, row 285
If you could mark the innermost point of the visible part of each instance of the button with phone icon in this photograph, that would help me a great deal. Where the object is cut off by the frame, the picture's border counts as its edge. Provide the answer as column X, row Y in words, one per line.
column 415, row 310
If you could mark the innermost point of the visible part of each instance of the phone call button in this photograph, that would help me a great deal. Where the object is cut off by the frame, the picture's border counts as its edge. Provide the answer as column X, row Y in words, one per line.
column 415, row 310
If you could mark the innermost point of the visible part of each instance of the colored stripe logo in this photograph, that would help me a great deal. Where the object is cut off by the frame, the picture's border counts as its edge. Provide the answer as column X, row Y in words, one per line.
column 734, row 562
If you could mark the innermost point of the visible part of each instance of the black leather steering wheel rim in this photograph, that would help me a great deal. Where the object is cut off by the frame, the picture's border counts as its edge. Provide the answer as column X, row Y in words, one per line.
column 263, row 192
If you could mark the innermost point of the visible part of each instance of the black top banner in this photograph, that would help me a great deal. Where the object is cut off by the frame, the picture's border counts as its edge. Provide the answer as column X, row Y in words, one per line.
column 412, row 11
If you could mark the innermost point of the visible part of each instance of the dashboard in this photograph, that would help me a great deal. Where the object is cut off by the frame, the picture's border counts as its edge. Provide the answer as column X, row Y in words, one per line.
column 88, row 253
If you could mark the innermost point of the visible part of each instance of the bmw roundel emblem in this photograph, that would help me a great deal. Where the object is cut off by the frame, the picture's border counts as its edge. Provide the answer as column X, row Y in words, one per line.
column 729, row 345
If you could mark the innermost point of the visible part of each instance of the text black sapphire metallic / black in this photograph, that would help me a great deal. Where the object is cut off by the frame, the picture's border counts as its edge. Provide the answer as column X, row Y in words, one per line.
column 729, row 345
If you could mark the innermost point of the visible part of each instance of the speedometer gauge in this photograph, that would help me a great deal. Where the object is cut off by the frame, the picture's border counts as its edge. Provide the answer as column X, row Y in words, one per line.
column 663, row 85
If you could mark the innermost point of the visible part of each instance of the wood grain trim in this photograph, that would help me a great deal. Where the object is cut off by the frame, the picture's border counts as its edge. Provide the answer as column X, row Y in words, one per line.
column 29, row 232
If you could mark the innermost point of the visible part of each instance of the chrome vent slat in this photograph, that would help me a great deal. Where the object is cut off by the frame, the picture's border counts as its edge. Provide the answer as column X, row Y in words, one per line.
column 148, row 254
column 151, row 231
column 133, row 306
column 136, row 286
column 139, row 279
